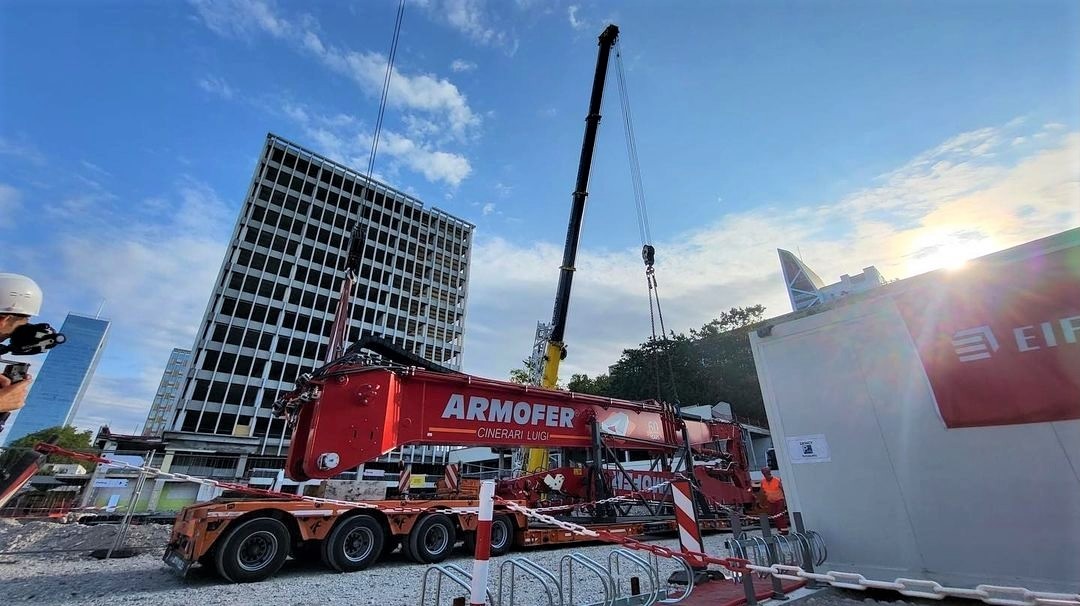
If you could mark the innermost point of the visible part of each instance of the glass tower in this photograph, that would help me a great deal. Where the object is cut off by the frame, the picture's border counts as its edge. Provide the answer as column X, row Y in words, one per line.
column 60, row 384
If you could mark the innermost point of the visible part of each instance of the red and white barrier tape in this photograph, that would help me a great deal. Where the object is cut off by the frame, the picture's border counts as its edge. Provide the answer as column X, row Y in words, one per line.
column 733, row 564
column 625, row 497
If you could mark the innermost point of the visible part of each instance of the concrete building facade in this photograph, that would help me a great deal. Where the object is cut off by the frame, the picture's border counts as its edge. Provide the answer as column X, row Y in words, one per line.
column 168, row 393
column 270, row 314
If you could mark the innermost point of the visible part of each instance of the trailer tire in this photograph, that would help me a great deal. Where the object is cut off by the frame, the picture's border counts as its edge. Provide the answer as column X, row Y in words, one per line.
column 252, row 551
column 354, row 544
column 432, row 539
column 406, row 550
column 502, row 536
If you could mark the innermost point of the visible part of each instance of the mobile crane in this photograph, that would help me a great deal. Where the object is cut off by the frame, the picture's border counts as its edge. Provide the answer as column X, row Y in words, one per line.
column 351, row 411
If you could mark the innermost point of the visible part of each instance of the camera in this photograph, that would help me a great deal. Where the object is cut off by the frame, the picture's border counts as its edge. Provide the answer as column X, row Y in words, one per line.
column 32, row 339
column 16, row 371
column 27, row 340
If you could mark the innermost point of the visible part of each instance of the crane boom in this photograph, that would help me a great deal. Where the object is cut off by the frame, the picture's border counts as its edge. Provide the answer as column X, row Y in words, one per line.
column 556, row 348
column 351, row 414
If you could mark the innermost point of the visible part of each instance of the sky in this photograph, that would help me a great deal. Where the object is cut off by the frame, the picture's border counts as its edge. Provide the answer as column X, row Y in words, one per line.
column 905, row 135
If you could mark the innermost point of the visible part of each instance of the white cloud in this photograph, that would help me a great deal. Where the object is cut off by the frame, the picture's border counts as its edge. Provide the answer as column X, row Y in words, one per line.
column 473, row 19
column 240, row 18
column 572, row 12
column 468, row 17
column 344, row 139
column 216, row 86
column 127, row 398
column 21, row 150
column 154, row 270
column 434, row 165
column 461, row 65
column 423, row 92
column 488, row 209
column 9, row 204
column 962, row 195
column 295, row 112
column 503, row 190
column 95, row 168
column 419, row 92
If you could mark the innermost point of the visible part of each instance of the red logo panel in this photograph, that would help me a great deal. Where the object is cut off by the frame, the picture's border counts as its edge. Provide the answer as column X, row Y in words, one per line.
column 1000, row 342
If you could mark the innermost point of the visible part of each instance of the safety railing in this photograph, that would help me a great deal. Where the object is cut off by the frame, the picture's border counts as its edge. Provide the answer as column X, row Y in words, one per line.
column 547, row 580
column 647, row 598
column 449, row 572
column 567, row 578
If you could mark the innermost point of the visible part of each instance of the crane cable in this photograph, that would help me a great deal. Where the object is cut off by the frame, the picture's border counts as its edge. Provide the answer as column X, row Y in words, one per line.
column 648, row 252
column 378, row 128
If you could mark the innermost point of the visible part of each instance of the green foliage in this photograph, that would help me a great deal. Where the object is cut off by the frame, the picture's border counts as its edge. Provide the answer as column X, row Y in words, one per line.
column 710, row 365
column 523, row 375
column 583, row 384
column 69, row 437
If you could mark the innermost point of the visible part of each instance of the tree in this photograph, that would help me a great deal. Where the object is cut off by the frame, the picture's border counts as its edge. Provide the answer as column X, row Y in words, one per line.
column 722, row 348
column 583, row 384
column 523, row 375
column 710, row 365
column 68, row 437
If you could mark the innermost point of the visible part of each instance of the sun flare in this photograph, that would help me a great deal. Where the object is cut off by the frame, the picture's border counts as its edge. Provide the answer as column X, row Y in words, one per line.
column 946, row 249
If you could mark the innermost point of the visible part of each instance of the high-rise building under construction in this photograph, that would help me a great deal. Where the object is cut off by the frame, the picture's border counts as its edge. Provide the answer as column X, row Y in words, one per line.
column 270, row 314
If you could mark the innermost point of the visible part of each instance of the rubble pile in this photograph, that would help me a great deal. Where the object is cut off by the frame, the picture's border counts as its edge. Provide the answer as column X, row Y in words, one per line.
column 50, row 536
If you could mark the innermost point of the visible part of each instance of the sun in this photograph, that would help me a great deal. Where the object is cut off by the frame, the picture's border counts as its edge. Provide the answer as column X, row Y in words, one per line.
column 954, row 256
column 949, row 249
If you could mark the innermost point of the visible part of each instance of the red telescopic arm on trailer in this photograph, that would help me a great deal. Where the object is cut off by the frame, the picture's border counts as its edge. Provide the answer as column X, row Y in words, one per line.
column 351, row 415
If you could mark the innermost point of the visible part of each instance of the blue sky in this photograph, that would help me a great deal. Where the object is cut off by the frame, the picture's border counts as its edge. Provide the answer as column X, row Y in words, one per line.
column 899, row 134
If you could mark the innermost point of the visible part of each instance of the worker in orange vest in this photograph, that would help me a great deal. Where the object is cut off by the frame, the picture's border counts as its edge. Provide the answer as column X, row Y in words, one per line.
column 773, row 490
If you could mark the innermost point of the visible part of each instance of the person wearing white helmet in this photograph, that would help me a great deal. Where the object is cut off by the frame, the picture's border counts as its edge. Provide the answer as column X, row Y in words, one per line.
column 20, row 298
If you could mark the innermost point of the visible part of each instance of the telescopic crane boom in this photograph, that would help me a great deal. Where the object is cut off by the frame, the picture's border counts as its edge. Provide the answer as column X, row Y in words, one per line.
column 556, row 348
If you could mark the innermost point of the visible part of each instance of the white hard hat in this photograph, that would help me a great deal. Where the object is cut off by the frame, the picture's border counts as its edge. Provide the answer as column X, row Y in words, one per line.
column 19, row 295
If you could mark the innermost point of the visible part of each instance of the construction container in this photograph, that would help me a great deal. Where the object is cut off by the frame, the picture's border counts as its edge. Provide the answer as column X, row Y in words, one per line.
column 929, row 428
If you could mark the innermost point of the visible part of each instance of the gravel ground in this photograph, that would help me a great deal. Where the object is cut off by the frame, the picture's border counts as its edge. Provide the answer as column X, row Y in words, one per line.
column 144, row 579
column 75, row 579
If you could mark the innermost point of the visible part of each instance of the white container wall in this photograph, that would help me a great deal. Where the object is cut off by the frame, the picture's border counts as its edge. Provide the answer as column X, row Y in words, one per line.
column 865, row 454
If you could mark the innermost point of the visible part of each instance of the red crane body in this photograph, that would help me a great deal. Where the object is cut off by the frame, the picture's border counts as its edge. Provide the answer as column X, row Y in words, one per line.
column 352, row 413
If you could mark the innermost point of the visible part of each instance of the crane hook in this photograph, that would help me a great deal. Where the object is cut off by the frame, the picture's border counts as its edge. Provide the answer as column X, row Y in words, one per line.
column 648, row 254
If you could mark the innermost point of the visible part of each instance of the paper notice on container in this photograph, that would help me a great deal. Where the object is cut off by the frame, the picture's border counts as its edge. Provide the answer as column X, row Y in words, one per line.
column 808, row 449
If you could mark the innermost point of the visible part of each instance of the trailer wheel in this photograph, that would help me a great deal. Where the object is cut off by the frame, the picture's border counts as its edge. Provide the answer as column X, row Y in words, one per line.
column 502, row 535
column 252, row 551
column 353, row 544
column 432, row 539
